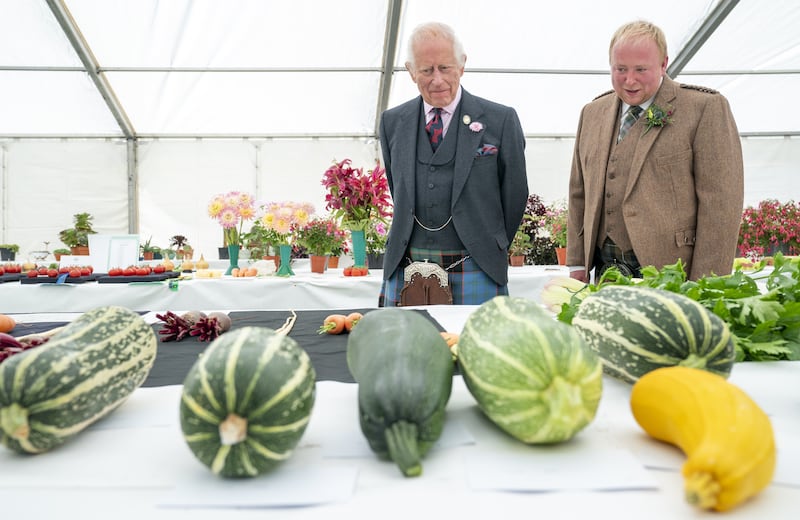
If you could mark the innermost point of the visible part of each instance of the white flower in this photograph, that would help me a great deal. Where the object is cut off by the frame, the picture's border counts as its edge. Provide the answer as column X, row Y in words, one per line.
column 476, row 126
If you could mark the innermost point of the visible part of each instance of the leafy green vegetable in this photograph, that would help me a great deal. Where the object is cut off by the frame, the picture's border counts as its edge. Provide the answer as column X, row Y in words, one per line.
column 761, row 308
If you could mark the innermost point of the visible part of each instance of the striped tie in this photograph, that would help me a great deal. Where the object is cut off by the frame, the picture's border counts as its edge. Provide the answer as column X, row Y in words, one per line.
column 630, row 118
column 435, row 128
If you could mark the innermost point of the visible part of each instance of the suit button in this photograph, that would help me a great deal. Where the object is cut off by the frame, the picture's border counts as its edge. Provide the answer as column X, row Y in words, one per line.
column 433, row 168
column 430, row 185
column 608, row 195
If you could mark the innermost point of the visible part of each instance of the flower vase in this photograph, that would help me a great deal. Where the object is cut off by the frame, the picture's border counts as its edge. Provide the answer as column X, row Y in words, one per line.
column 359, row 247
column 233, row 258
column 286, row 257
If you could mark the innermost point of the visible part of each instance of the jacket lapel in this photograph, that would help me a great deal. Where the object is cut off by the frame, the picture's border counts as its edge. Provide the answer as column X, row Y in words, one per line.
column 664, row 97
column 407, row 146
column 468, row 141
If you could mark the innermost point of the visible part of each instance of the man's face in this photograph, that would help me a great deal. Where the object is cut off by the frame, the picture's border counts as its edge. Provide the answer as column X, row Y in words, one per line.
column 437, row 72
column 636, row 70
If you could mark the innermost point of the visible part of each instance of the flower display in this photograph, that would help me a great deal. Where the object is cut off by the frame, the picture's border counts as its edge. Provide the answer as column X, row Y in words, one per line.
column 554, row 222
column 320, row 236
column 284, row 217
column 771, row 226
column 376, row 235
column 355, row 196
column 231, row 210
column 541, row 251
column 657, row 116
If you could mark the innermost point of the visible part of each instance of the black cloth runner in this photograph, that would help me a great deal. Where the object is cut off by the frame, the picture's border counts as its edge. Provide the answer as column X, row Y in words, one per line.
column 175, row 358
column 327, row 351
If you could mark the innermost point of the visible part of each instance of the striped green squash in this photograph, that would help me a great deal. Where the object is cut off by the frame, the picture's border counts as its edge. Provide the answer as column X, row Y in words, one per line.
column 247, row 401
column 637, row 329
column 52, row 392
column 533, row 376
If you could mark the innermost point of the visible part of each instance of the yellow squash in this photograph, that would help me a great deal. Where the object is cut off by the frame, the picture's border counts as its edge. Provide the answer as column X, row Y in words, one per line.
column 728, row 440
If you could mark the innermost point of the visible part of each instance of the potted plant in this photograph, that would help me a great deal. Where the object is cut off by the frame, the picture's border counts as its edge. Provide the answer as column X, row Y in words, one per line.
column 77, row 237
column 8, row 251
column 770, row 227
column 376, row 234
column 148, row 251
column 520, row 245
column 180, row 243
column 59, row 252
column 555, row 223
column 542, row 251
column 318, row 237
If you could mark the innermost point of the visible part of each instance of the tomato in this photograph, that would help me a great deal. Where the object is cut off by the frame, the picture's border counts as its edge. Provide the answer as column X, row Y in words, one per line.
column 43, row 270
column 64, row 269
column 2, row 270
column 75, row 272
column 52, row 273
column 348, row 271
column 141, row 271
column 33, row 273
column 129, row 271
column 159, row 269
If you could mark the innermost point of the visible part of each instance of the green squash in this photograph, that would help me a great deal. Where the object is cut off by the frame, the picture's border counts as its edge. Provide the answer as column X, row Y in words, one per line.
column 404, row 372
column 56, row 390
column 638, row 329
column 246, row 402
column 533, row 376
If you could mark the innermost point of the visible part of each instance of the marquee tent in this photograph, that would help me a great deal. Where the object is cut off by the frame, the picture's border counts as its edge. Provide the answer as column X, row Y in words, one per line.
column 139, row 111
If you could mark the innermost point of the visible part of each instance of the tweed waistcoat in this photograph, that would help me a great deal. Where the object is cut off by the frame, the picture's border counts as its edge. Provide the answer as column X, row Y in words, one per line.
column 434, row 189
column 612, row 224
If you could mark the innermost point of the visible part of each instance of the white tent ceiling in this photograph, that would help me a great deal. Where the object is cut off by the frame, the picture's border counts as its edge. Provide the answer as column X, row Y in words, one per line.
column 145, row 90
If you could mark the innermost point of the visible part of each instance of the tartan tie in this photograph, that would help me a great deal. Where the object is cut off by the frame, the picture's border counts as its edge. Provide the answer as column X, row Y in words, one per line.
column 630, row 118
column 435, row 128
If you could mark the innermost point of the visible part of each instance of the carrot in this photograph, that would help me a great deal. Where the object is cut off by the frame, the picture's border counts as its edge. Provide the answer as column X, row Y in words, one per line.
column 351, row 320
column 333, row 324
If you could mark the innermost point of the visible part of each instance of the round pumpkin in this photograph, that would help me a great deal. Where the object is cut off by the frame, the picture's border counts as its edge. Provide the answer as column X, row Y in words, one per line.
column 246, row 402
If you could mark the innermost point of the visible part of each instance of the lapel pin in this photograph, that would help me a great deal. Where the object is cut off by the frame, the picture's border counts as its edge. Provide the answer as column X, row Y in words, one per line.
column 466, row 119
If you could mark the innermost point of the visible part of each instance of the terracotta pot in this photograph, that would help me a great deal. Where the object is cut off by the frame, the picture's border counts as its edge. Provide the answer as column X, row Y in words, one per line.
column 147, row 255
column 318, row 263
column 517, row 260
column 561, row 254
column 80, row 250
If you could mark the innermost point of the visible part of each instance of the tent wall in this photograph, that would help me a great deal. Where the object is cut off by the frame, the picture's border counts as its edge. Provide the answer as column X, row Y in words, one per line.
column 45, row 182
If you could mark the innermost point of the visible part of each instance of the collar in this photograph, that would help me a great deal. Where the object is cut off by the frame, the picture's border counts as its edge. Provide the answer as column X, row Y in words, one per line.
column 450, row 109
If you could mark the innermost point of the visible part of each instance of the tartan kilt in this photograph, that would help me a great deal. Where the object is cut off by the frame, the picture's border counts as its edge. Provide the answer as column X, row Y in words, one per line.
column 469, row 287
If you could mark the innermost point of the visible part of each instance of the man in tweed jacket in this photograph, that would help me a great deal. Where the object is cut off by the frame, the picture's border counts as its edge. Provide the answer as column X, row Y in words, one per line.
column 672, row 187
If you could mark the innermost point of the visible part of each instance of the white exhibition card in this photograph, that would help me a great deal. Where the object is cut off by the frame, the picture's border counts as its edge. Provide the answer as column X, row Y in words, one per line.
column 569, row 466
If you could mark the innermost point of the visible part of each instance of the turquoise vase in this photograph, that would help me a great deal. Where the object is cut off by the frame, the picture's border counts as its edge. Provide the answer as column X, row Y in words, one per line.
column 359, row 247
column 233, row 258
column 286, row 258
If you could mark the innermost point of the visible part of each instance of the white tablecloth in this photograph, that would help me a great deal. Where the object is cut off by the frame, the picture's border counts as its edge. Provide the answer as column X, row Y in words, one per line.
column 305, row 290
column 135, row 464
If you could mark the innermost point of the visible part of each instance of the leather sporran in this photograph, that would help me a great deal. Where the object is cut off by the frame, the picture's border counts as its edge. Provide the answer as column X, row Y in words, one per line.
column 425, row 283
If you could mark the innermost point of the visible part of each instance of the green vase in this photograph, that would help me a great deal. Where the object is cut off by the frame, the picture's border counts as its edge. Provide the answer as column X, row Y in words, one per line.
column 359, row 247
column 286, row 258
column 233, row 258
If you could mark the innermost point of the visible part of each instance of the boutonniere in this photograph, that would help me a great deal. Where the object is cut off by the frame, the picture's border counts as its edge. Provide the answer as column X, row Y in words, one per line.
column 475, row 126
column 657, row 116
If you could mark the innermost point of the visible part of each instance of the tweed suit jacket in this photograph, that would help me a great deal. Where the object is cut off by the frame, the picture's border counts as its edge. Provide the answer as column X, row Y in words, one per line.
column 489, row 191
column 685, row 191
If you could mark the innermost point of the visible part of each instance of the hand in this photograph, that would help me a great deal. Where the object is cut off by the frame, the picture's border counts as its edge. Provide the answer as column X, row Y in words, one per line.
column 579, row 274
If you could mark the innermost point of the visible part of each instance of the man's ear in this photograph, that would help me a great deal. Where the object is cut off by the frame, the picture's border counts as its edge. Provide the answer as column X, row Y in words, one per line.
column 411, row 71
